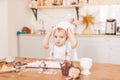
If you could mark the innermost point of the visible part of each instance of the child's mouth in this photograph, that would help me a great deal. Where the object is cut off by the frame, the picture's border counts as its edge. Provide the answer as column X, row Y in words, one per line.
column 58, row 42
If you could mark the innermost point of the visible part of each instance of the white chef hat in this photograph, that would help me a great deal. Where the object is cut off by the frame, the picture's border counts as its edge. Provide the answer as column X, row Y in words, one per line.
column 65, row 25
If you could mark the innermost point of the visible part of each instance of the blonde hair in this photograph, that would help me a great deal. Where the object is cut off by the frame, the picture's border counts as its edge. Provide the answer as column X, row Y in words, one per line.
column 60, row 30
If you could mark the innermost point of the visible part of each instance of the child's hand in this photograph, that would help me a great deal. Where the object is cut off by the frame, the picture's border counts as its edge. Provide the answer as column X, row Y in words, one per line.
column 52, row 30
column 68, row 30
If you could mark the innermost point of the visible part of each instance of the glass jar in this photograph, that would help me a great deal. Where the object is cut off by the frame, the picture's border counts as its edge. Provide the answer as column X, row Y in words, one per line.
column 110, row 27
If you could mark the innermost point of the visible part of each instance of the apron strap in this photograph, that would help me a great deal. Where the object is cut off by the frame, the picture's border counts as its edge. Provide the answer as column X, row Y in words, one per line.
column 52, row 54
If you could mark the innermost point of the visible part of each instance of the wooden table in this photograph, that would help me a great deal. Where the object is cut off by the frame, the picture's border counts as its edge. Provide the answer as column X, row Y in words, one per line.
column 99, row 71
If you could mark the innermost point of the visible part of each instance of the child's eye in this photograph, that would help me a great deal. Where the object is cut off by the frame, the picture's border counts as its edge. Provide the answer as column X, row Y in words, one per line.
column 61, row 37
column 55, row 36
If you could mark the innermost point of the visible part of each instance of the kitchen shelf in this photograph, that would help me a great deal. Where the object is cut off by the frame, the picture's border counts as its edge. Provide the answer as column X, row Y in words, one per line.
column 78, row 35
column 69, row 6
column 35, row 9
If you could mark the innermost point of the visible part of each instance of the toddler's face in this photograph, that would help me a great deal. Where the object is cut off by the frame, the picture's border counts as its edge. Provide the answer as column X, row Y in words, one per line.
column 60, row 37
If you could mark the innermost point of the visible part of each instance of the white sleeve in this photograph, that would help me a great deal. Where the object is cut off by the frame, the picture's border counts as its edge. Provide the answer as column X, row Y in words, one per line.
column 50, row 49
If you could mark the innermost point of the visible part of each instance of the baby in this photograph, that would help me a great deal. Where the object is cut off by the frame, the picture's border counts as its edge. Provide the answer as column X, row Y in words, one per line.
column 64, row 42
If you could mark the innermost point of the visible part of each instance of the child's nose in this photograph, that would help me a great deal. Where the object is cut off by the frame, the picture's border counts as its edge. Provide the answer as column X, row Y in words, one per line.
column 58, row 38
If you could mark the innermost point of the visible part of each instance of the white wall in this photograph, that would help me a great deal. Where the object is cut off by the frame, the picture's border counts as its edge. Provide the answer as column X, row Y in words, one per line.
column 3, row 28
column 52, row 16
column 100, row 14
column 14, row 14
column 19, row 15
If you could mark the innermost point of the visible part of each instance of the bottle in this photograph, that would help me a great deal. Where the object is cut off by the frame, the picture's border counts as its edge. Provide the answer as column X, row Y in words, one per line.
column 118, row 29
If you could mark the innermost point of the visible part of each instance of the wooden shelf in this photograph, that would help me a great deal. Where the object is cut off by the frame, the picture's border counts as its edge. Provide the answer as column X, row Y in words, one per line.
column 78, row 35
column 34, row 8
column 70, row 6
column 98, row 35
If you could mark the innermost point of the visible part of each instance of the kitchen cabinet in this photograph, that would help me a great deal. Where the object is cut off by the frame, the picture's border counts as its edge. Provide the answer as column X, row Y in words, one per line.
column 101, row 48
column 114, row 48
column 93, row 47
column 31, row 46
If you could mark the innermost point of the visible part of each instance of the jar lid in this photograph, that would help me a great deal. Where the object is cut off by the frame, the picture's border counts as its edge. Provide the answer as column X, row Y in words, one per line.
column 111, row 20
